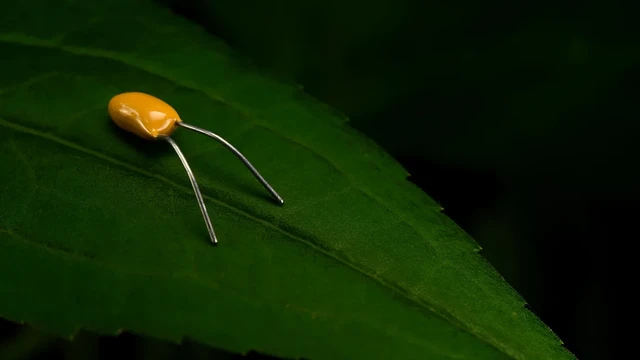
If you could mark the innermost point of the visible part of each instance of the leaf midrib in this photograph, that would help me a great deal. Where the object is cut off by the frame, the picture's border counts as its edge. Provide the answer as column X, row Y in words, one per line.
column 122, row 164
column 26, row 40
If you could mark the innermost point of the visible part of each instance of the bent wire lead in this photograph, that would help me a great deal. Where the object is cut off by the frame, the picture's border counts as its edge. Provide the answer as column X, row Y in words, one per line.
column 151, row 118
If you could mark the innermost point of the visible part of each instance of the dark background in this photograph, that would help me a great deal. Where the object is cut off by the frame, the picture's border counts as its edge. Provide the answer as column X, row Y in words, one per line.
column 519, row 118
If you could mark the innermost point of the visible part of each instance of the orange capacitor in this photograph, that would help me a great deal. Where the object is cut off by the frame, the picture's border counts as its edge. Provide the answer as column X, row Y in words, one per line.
column 143, row 114
column 151, row 118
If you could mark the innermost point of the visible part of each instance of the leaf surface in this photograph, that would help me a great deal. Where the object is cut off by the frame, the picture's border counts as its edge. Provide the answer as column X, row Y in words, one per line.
column 101, row 230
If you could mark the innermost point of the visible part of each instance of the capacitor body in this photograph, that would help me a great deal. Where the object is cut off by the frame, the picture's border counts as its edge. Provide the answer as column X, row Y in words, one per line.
column 143, row 115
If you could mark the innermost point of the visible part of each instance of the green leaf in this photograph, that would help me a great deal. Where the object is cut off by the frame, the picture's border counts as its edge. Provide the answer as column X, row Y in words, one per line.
column 101, row 230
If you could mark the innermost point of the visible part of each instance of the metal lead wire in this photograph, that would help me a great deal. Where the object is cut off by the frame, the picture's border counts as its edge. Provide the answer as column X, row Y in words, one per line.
column 196, row 189
column 239, row 156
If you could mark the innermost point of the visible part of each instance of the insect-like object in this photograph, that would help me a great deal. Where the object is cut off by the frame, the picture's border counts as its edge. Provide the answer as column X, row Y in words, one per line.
column 153, row 119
